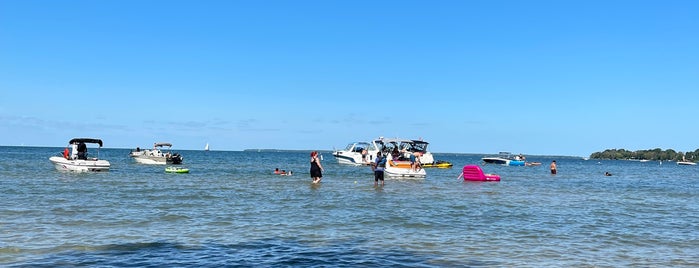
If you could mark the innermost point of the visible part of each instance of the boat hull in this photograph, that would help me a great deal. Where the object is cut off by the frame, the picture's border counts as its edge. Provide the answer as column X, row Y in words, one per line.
column 79, row 165
column 503, row 161
column 401, row 169
column 149, row 160
column 518, row 163
column 404, row 173
column 686, row 163
column 155, row 157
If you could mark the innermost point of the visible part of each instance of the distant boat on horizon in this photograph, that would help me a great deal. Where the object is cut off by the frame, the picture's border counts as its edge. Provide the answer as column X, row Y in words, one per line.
column 206, row 148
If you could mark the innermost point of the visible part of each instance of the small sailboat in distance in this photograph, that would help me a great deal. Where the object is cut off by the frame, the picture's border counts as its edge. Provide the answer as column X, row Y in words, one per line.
column 206, row 148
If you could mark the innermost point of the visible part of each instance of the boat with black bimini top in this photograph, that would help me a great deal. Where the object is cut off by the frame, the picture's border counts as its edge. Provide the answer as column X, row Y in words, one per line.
column 76, row 158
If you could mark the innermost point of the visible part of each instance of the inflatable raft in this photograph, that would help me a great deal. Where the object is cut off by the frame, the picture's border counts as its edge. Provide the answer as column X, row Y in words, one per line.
column 438, row 164
column 176, row 170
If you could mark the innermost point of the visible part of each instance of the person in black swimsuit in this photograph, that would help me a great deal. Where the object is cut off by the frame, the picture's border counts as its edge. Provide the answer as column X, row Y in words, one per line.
column 316, row 168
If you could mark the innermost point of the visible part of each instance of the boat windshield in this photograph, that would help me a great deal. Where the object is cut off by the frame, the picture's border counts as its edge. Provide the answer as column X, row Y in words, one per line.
column 358, row 147
column 414, row 146
column 389, row 147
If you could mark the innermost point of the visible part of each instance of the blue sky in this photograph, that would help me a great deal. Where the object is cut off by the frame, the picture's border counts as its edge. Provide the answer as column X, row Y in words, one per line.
column 532, row 77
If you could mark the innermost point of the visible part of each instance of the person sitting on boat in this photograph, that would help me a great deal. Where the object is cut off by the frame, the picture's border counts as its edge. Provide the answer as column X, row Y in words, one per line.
column 277, row 171
column 82, row 151
column 395, row 154
column 66, row 153
column 389, row 160
column 606, row 173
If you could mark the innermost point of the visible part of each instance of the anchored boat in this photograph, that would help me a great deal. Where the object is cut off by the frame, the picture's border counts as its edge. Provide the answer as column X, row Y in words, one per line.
column 399, row 153
column 77, row 159
column 505, row 159
column 156, row 156
column 357, row 153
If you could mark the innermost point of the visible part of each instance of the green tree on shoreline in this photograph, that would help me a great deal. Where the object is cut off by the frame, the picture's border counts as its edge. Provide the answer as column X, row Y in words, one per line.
column 653, row 154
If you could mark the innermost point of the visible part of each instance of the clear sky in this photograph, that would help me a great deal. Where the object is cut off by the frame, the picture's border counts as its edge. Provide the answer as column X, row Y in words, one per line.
column 532, row 77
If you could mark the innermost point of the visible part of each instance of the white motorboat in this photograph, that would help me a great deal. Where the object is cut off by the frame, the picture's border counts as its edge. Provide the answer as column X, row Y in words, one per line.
column 357, row 153
column 398, row 153
column 505, row 159
column 76, row 159
column 686, row 162
column 363, row 153
column 402, row 168
column 156, row 156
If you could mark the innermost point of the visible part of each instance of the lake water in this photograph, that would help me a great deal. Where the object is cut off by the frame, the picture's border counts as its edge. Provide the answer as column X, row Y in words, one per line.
column 230, row 210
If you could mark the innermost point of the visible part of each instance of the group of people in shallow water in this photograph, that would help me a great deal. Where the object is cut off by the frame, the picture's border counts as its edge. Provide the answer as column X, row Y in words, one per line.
column 282, row 172
column 378, row 166
column 316, row 169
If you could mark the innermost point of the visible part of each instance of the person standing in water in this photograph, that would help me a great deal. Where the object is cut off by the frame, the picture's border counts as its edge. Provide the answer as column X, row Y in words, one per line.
column 378, row 167
column 316, row 168
column 553, row 167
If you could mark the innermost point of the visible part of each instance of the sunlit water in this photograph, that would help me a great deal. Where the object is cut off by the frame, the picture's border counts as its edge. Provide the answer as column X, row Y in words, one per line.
column 232, row 211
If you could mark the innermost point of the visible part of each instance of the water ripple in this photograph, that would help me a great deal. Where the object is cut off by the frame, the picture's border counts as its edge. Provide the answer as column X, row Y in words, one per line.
column 231, row 211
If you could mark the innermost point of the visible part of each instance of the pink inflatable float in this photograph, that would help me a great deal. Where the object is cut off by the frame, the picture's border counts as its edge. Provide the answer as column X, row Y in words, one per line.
column 475, row 173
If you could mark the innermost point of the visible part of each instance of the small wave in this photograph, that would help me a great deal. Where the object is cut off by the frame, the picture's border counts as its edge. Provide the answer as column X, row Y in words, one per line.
column 256, row 253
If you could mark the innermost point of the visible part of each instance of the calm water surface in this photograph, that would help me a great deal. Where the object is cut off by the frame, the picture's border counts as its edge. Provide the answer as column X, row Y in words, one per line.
column 231, row 211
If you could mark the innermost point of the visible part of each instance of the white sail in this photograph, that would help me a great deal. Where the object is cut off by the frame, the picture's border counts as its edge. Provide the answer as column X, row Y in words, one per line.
column 206, row 148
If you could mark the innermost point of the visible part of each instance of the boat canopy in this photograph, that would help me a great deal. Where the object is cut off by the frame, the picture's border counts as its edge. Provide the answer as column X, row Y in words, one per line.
column 85, row 140
column 161, row 144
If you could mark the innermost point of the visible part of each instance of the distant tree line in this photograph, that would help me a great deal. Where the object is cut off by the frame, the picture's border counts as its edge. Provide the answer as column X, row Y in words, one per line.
column 654, row 154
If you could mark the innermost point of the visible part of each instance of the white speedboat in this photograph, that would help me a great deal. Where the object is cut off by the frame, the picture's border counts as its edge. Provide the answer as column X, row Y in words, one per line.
column 505, row 159
column 401, row 149
column 357, row 153
column 76, row 159
column 398, row 152
column 364, row 153
column 156, row 156
column 686, row 162
column 402, row 169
